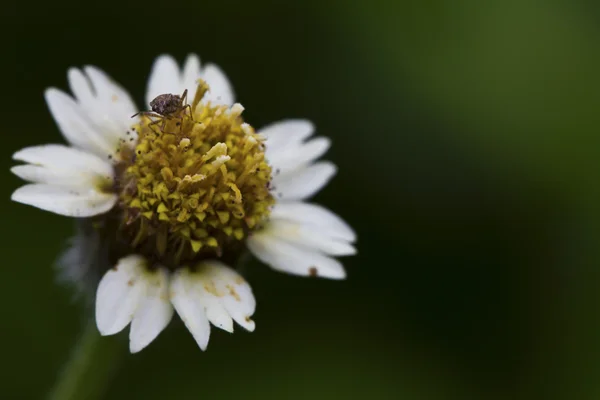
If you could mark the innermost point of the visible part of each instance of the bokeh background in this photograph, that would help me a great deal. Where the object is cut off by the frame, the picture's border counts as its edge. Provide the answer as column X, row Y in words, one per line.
column 466, row 135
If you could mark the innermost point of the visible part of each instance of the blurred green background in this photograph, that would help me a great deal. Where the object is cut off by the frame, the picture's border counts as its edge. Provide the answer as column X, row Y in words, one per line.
column 466, row 135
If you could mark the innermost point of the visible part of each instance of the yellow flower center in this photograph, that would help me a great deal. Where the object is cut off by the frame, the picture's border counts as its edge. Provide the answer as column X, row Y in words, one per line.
column 196, row 183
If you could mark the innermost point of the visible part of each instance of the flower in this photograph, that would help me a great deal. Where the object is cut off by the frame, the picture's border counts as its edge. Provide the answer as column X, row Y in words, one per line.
column 172, row 197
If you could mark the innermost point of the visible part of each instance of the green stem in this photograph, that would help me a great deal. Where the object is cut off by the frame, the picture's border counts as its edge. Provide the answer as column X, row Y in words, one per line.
column 92, row 364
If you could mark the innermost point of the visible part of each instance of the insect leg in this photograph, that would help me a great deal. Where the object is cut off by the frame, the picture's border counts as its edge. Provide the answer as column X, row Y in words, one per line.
column 155, row 122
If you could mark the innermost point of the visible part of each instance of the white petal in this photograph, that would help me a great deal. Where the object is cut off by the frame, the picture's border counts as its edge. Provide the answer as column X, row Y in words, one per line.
column 298, row 154
column 212, row 292
column 119, row 294
column 288, row 132
column 191, row 310
column 286, row 257
column 309, row 237
column 303, row 182
column 75, row 125
column 62, row 165
column 115, row 106
column 326, row 221
column 232, row 290
column 217, row 314
column 66, row 201
column 164, row 78
column 79, row 180
column 105, row 104
column 221, row 91
column 154, row 311
column 81, row 88
column 59, row 156
column 191, row 73
column 202, row 287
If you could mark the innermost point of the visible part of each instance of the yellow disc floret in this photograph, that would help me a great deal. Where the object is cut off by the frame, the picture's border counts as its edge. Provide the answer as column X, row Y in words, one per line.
column 196, row 183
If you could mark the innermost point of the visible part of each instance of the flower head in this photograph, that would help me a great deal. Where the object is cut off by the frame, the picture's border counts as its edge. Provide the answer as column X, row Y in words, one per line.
column 196, row 183
column 172, row 196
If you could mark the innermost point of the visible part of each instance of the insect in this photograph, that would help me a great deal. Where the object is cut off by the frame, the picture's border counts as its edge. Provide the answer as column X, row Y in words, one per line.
column 164, row 107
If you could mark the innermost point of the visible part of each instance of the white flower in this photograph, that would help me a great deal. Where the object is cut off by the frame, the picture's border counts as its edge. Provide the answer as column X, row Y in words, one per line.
column 112, row 168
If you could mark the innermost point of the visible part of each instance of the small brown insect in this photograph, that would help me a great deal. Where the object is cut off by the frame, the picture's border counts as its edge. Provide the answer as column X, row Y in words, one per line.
column 164, row 107
column 166, row 104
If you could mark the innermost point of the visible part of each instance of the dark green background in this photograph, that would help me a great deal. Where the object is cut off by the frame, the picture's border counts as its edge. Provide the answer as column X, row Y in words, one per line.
column 466, row 135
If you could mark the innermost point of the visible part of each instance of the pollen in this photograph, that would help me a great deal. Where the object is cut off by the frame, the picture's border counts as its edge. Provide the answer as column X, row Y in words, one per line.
column 196, row 183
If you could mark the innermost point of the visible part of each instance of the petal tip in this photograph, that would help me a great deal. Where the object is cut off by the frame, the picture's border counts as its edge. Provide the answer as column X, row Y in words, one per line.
column 105, row 327
column 227, row 327
column 17, row 195
column 192, row 58
column 249, row 325
column 51, row 94
column 136, row 346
